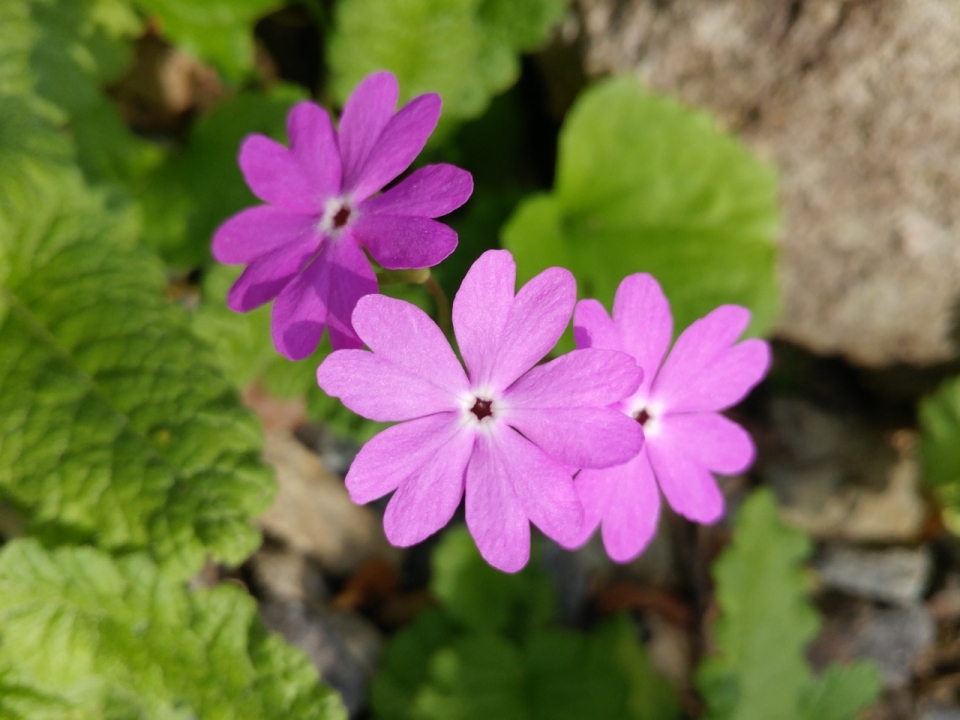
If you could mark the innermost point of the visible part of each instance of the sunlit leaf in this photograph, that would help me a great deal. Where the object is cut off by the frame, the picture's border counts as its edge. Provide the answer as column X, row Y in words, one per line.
column 646, row 185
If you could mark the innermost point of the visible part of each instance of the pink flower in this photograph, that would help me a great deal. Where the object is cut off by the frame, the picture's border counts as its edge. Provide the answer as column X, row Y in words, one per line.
column 505, row 432
column 678, row 404
column 304, row 247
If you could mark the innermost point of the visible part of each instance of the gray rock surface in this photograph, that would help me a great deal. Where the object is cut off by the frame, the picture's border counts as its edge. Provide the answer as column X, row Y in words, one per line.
column 895, row 575
column 837, row 479
column 856, row 102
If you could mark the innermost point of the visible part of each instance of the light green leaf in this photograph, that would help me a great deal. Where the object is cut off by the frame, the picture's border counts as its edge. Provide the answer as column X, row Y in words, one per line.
column 841, row 692
column 466, row 50
column 646, row 185
column 759, row 671
column 116, row 427
column 201, row 186
column 218, row 31
column 940, row 441
column 105, row 635
column 485, row 599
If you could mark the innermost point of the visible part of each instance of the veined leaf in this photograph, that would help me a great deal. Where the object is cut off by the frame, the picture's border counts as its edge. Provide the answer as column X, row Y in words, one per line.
column 116, row 427
column 466, row 50
column 98, row 635
column 646, row 185
column 759, row 671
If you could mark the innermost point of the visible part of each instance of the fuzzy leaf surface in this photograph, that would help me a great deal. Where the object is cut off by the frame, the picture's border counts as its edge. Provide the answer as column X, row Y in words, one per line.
column 116, row 426
column 113, row 638
column 940, row 441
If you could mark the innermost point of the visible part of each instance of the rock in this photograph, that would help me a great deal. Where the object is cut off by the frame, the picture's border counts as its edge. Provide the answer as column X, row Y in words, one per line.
column 896, row 575
column 837, row 479
column 344, row 647
column 940, row 714
column 281, row 574
column 895, row 638
column 313, row 513
column 856, row 103
column 898, row 639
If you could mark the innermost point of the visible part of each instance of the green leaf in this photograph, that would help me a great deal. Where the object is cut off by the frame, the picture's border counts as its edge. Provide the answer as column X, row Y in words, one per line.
column 766, row 621
column 466, row 50
column 646, row 185
column 605, row 675
column 478, row 677
column 940, row 441
column 218, row 31
column 841, row 692
column 116, row 427
column 201, row 186
column 406, row 663
column 105, row 634
column 483, row 598
column 759, row 671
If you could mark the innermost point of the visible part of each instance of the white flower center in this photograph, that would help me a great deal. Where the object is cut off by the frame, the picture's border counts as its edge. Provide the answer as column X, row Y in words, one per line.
column 480, row 409
column 648, row 415
column 337, row 214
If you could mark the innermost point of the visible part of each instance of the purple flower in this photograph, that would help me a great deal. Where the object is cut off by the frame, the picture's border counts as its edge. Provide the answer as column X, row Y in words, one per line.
column 304, row 247
column 505, row 432
column 678, row 404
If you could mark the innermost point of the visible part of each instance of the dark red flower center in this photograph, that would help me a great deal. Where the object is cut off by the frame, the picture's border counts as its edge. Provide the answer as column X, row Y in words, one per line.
column 482, row 409
column 341, row 217
column 642, row 417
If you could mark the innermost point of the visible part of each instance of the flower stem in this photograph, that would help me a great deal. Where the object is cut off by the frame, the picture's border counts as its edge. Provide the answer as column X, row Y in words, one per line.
column 443, row 304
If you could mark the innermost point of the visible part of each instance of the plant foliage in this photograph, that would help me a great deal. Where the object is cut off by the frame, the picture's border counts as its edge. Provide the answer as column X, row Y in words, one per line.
column 84, row 636
column 759, row 671
column 116, row 427
column 490, row 651
column 646, row 185
column 466, row 50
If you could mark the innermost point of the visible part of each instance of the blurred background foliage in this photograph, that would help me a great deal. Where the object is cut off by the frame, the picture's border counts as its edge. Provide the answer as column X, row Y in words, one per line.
column 129, row 461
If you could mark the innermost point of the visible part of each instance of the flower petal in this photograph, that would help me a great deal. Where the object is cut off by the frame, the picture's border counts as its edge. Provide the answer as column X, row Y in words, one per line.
column 642, row 316
column 588, row 377
column 377, row 389
column 593, row 328
column 537, row 319
column 365, row 115
column 716, row 442
column 398, row 145
column 425, row 502
column 688, row 486
column 399, row 242
column 480, row 311
column 403, row 334
column 543, row 486
column 324, row 293
column 397, row 453
column 631, row 517
column 275, row 176
column 595, row 491
column 703, row 371
column 313, row 142
column 259, row 230
column 430, row 192
column 269, row 274
column 582, row 437
column 494, row 516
